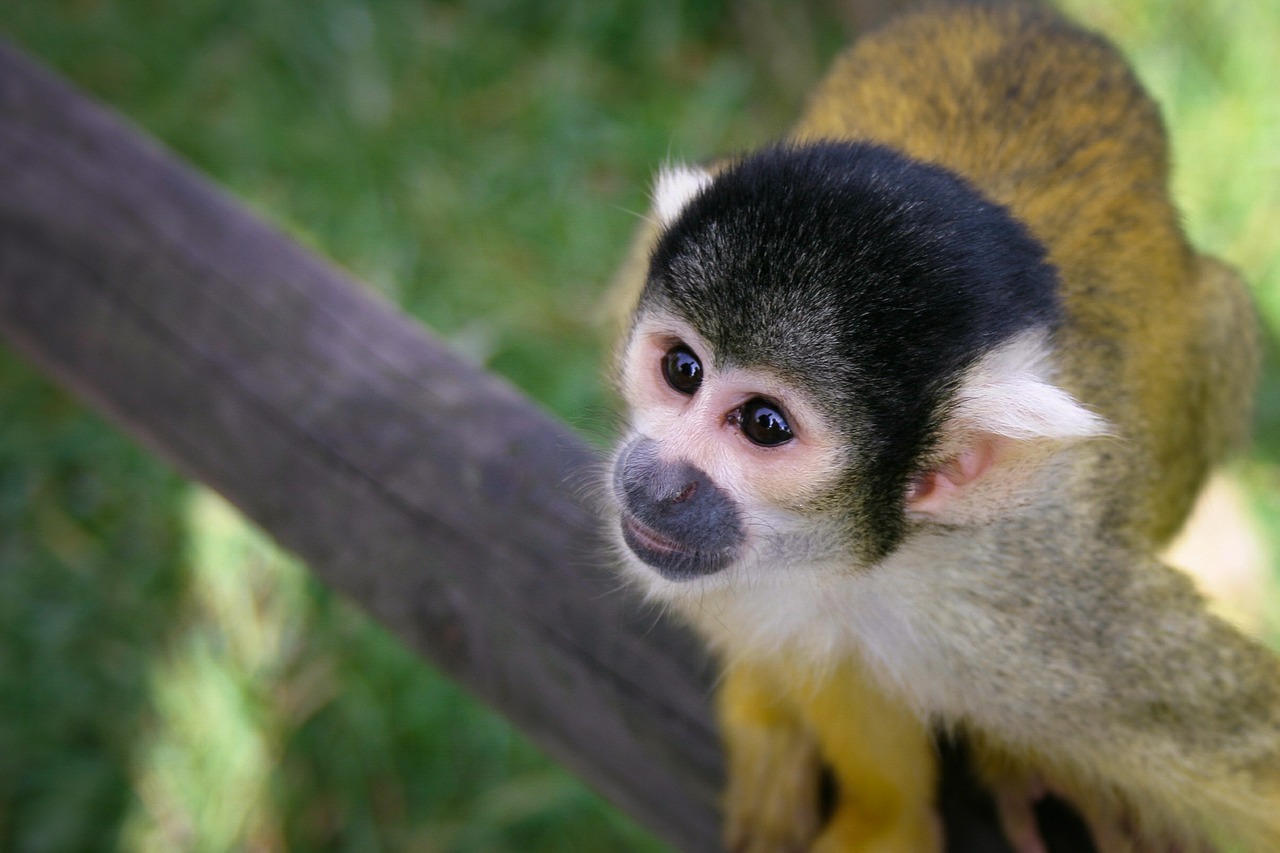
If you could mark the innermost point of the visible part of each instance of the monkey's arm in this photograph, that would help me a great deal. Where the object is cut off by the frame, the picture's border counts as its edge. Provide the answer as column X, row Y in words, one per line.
column 1222, row 714
column 781, row 729
column 1177, row 710
column 883, row 759
column 772, row 797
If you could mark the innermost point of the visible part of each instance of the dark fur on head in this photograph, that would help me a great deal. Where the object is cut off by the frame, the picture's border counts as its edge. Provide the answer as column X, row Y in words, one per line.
column 865, row 277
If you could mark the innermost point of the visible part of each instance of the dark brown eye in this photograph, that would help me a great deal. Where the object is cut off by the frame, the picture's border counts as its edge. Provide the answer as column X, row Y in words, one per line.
column 682, row 369
column 764, row 424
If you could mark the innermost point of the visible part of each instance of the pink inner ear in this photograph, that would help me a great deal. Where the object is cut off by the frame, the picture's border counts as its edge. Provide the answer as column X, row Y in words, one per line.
column 931, row 491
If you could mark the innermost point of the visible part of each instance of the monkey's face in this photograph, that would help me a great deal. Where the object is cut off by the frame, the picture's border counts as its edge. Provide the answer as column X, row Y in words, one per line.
column 724, row 466
column 832, row 345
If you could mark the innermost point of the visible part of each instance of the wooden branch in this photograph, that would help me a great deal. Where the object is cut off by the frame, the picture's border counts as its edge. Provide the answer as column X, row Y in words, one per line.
column 429, row 492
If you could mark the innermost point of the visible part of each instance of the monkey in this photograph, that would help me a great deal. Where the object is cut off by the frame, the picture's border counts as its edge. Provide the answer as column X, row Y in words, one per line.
column 915, row 398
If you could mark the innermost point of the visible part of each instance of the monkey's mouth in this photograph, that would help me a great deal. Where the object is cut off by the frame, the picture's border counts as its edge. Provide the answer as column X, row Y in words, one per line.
column 672, row 559
column 639, row 534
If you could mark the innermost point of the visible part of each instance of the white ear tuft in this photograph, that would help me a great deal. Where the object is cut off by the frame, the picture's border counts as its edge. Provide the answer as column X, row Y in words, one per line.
column 677, row 185
column 1008, row 393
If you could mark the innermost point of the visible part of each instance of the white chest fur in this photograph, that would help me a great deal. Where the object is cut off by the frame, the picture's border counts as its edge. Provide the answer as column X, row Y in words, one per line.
column 815, row 617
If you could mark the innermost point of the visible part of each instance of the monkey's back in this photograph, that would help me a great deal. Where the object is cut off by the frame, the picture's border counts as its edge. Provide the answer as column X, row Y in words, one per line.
column 1048, row 120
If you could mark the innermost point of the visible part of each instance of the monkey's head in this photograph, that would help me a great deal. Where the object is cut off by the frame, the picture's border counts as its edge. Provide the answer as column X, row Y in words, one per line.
column 834, row 345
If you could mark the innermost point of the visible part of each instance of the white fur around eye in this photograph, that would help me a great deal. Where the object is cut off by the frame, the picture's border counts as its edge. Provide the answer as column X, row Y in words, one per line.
column 676, row 186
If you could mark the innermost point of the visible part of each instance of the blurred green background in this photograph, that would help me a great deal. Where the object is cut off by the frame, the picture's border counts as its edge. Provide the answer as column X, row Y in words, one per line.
column 169, row 680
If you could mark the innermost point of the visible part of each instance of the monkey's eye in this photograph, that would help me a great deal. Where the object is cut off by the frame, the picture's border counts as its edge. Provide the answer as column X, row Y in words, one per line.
column 763, row 423
column 682, row 369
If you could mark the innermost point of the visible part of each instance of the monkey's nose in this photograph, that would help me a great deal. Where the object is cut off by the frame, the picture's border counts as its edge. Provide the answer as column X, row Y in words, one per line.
column 668, row 487
column 674, row 516
column 686, row 493
column 676, row 498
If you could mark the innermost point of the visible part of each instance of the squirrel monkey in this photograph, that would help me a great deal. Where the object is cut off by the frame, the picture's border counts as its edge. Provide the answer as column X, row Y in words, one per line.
column 916, row 396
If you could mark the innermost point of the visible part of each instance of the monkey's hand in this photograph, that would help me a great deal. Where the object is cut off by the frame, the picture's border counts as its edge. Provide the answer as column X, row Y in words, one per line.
column 883, row 761
column 781, row 731
column 772, row 797
column 1110, row 831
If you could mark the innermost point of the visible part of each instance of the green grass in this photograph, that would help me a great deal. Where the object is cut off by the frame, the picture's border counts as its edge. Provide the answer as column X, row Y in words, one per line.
column 170, row 681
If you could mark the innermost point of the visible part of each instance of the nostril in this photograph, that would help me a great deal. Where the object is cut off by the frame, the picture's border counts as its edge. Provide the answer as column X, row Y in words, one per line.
column 686, row 493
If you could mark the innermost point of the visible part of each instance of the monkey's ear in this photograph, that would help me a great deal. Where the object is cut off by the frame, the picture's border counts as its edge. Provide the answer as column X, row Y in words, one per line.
column 1006, row 415
column 1009, row 393
column 676, row 186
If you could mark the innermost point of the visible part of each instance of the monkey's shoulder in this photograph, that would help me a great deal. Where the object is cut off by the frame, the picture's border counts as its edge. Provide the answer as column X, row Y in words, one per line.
column 1017, row 100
